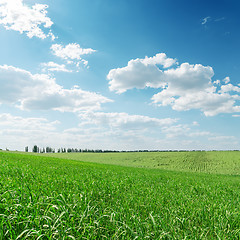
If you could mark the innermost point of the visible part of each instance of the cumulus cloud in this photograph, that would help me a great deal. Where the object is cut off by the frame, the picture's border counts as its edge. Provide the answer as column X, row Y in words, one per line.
column 159, row 59
column 40, row 91
column 226, row 80
column 184, row 87
column 72, row 53
column 209, row 102
column 54, row 67
column 140, row 73
column 230, row 88
column 15, row 15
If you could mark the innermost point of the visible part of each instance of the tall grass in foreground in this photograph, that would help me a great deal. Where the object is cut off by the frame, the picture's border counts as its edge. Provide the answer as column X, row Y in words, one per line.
column 49, row 198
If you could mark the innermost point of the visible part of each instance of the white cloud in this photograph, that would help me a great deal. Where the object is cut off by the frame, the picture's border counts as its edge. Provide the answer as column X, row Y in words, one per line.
column 120, row 131
column 124, row 120
column 219, row 19
column 17, row 132
column 205, row 20
column 175, row 131
column 159, row 59
column 72, row 53
column 115, row 131
column 40, row 91
column 210, row 103
column 195, row 123
column 15, row 15
column 199, row 134
column 236, row 115
column 96, row 130
column 197, row 139
column 226, row 80
column 229, row 88
column 123, row 131
column 140, row 73
column 54, row 67
column 14, row 123
column 222, row 138
column 182, row 131
column 217, row 82
column 188, row 78
column 183, row 87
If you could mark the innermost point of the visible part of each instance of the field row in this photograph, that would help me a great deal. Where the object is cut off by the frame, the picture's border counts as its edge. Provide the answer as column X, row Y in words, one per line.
column 207, row 162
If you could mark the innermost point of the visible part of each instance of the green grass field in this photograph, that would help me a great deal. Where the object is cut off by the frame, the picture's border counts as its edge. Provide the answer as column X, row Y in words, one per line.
column 208, row 162
column 192, row 195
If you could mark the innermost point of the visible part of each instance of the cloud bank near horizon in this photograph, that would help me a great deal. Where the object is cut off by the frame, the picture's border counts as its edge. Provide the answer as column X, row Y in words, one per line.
column 29, row 91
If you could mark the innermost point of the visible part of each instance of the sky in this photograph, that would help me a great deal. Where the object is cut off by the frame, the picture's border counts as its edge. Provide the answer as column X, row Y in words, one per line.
column 120, row 75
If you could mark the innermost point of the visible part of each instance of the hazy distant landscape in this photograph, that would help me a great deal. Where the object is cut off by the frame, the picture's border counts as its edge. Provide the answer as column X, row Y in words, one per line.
column 175, row 195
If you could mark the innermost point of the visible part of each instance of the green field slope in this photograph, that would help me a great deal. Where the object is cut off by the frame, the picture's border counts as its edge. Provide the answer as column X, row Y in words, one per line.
column 51, row 198
column 208, row 162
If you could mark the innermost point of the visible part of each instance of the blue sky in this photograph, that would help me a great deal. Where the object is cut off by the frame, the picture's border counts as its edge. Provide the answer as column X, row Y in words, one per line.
column 121, row 75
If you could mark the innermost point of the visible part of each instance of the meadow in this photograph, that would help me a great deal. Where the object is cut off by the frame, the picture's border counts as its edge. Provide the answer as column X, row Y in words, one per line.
column 222, row 162
column 185, row 195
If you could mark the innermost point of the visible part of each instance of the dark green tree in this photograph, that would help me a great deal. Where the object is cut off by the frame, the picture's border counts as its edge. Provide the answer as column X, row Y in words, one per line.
column 35, row 148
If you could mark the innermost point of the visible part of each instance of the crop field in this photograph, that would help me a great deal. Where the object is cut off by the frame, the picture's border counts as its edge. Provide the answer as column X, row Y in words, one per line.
column 185, row 195
column 227, row 162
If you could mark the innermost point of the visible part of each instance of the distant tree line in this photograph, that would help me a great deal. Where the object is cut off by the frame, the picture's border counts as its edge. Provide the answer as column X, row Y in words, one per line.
column 37, row 149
